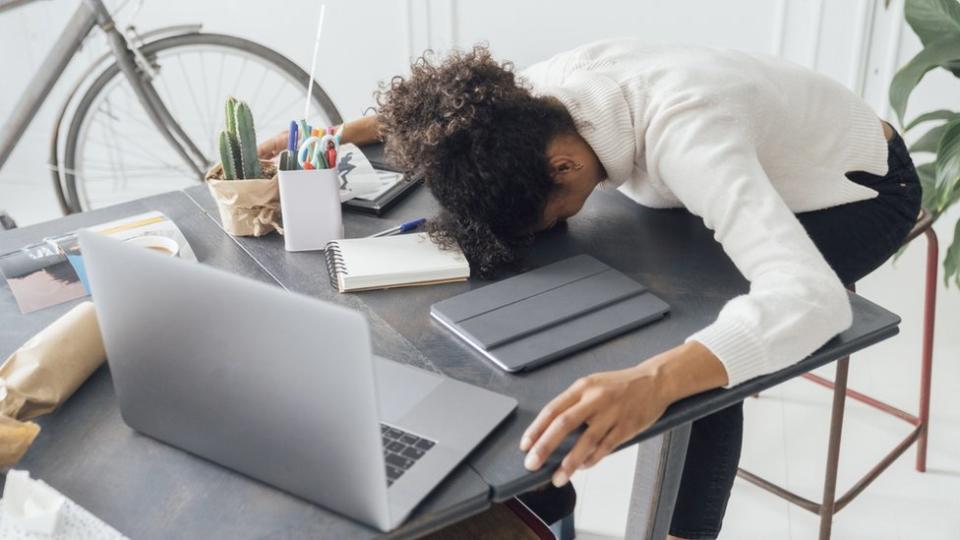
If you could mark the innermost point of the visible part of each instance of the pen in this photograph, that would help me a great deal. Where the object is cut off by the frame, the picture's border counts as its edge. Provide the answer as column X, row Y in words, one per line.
column 399, row 229
column 292, row 137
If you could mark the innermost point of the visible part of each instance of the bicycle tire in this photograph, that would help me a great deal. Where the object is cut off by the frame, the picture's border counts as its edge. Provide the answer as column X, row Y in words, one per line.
column 320, row 97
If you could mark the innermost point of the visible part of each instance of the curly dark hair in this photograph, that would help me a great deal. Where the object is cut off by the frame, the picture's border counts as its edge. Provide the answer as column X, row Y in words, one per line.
column 479, row 138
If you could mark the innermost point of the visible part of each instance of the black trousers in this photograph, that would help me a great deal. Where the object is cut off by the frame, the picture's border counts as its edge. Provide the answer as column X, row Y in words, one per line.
column 855, row 239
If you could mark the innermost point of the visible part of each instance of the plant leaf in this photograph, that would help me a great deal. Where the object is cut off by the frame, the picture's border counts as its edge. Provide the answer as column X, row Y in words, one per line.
column 942, row 114
column 951, row 262
column 948, row 164
column 929, row 141
column 932, row 18
column 946, row 48
column 928, row 181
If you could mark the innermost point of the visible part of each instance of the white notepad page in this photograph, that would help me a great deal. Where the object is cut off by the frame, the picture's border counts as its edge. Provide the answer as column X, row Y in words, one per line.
column 394, row 261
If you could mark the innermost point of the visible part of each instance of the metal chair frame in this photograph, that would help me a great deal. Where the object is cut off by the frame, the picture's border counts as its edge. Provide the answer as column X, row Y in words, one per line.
column 831, row 504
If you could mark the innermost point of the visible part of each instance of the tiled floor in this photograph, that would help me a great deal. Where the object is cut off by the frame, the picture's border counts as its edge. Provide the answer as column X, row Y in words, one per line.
column 786, row 429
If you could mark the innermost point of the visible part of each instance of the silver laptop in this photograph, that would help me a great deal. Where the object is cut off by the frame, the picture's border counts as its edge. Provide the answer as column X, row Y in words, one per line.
column 281, row 387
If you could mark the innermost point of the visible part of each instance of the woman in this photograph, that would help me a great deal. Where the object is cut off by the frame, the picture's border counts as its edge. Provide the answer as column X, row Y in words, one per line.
column 803, row 185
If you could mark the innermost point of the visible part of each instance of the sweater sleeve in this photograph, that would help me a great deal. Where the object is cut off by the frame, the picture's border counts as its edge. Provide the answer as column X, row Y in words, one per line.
column 796, row 302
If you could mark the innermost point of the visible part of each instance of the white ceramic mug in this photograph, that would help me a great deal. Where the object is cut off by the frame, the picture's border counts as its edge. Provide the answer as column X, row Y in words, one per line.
column 160, row 244
column 310, row 205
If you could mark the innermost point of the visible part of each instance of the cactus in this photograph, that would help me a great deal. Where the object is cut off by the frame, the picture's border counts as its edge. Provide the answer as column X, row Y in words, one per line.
column 248, row 141
column 228, row 155
column 238, row 142
column 229, row 112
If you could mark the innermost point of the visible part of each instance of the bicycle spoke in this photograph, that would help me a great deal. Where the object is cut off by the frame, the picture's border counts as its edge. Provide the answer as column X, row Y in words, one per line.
column 193, row 96
column 223, row 63
column 282, row 110
column 116, row 157
column 240, row 72
column 256, row 96
column 95, row 177
column 206, row 91
column 127, row 115
column 137, row 151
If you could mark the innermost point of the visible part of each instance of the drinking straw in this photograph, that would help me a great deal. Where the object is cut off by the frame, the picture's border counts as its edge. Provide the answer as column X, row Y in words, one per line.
column 313, row 64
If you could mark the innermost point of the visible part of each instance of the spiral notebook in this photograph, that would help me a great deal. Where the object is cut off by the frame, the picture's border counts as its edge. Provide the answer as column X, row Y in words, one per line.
column 404, row 260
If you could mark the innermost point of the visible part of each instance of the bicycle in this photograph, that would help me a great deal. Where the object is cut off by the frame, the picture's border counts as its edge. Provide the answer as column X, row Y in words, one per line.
column 134, row 128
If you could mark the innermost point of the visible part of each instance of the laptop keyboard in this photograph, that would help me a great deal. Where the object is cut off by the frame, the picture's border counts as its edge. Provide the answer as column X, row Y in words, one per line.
column 401, row 450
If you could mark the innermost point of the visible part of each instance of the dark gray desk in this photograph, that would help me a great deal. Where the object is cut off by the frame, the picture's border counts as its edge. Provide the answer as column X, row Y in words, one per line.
column 147, row 489
column 670, row 251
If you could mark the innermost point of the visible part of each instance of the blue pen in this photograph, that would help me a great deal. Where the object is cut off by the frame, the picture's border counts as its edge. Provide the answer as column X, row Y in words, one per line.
column 400, row 229
column 293, row 136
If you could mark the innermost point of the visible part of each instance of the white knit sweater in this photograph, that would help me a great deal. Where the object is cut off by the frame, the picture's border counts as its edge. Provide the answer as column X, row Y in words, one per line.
column 744, row 142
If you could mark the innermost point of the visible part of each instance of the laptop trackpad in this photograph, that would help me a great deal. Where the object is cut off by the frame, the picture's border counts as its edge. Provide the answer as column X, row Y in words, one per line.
column 400, row 387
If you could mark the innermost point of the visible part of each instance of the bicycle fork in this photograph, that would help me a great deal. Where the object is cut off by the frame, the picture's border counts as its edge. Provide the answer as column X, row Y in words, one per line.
column 143, row 88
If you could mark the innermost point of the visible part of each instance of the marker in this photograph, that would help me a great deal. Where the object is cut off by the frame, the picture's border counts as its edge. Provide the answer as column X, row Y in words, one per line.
column 400, row 229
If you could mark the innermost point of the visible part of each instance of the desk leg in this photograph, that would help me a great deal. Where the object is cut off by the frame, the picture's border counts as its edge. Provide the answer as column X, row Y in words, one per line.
column 655, row 484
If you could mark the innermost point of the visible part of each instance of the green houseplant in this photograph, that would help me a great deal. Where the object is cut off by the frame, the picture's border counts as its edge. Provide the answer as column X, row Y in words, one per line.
column 937, row 24
column 237, row 143
column 245, row 187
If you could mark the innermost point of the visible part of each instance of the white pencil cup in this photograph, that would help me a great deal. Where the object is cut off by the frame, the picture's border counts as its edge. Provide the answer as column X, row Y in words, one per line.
column 310, row 205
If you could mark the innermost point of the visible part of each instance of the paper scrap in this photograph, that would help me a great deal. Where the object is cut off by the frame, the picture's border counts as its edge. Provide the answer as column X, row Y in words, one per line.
column 31, row 509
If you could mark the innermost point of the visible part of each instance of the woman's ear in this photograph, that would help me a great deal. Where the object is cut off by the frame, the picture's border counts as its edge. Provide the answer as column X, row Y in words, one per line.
column 562, row 164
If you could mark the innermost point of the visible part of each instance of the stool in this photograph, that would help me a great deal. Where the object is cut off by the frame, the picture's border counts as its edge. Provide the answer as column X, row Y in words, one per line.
column 832, row 504
column 548, row 506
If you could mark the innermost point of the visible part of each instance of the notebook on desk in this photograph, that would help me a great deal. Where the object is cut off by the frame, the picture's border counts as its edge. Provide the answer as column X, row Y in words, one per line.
column 404, row 260
column 536, row 317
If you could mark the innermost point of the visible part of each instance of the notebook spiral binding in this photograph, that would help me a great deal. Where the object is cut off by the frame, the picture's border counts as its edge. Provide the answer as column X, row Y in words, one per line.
column 335, row 263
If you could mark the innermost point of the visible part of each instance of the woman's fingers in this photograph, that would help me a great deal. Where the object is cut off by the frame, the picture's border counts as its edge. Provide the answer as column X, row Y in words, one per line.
column 606, row 445
column 272, row 146
column 558, row 429
column 586, row 445
column 550, row 411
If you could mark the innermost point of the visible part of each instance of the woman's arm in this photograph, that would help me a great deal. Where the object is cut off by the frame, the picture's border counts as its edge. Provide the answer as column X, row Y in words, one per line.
column 365, row 130
column 617, row 405
column 795, row 304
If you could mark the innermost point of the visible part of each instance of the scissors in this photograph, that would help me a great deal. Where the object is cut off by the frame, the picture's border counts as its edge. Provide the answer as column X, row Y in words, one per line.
column 316, row 149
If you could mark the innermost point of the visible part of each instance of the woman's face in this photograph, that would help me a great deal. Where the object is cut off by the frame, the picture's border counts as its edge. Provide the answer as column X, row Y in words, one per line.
column 576, row 171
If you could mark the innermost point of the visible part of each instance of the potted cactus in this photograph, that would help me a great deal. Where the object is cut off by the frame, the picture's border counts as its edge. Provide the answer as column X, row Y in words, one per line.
column 244, row 186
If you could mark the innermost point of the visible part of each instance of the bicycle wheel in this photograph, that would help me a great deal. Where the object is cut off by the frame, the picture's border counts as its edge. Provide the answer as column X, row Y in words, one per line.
column 113, row 152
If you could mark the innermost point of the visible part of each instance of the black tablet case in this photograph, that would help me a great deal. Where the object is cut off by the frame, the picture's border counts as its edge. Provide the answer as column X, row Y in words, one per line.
column 374, row 154
column 539, row 316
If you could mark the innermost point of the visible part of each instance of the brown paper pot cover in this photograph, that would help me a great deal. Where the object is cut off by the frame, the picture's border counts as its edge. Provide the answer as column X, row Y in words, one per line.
column 247, row 207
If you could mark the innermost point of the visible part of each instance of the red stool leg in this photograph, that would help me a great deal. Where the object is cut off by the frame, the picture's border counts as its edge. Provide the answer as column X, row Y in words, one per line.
column 827, row 506
column 926, row 359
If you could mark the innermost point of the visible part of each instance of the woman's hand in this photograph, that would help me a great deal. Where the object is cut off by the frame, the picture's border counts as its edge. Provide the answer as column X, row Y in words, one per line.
column 616, row 406
column 273, row 146
column 361, row 131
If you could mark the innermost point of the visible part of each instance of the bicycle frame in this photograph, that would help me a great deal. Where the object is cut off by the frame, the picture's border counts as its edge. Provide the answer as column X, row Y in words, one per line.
column 93, row 13
column 81, row 23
